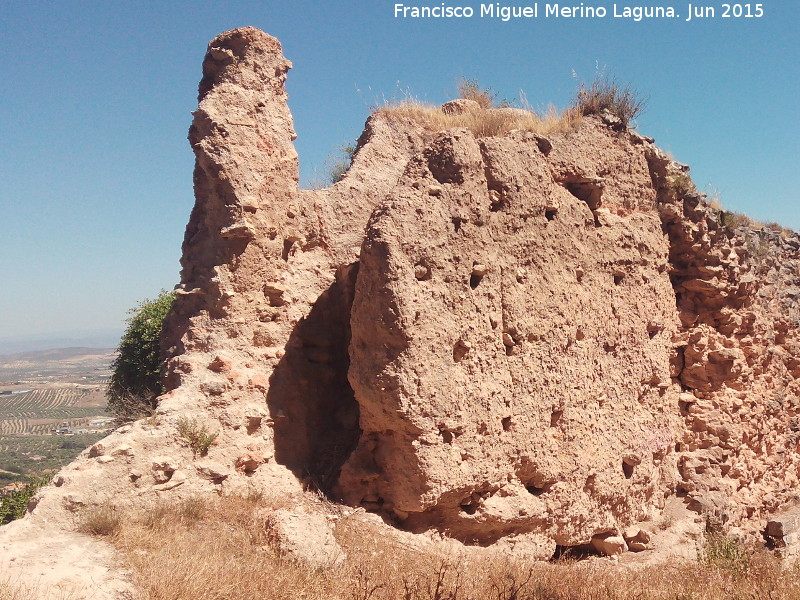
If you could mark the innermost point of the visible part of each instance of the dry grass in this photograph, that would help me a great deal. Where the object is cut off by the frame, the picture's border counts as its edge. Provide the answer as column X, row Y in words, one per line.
column 221, row 553
column 606, row 94
column 10, row 590
column 470, row 90
column 785, row 232
column 102, row 521
column 485, row 122
column 733, row 220
column 488, row 120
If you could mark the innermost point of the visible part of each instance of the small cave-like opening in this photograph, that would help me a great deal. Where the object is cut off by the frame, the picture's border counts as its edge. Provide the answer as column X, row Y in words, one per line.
column 586, row 189
column 567, row 553
column 469, row 505
column 315, row 413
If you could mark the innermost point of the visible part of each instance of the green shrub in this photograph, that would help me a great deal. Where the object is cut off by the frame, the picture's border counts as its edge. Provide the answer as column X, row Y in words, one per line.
column 726, row 554
column 339, row 166
column 681, row 184
column 733, row 220
column 198, row 436
column 14, row 504
column 605, row 94
column 136, row 379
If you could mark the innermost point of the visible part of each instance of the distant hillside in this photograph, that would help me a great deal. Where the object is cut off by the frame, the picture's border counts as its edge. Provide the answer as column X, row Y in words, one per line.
column 56, row 354
column 102, row 338
column 76, row 364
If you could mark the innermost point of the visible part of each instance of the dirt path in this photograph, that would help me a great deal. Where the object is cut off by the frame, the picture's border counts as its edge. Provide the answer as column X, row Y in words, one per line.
column 49, row 562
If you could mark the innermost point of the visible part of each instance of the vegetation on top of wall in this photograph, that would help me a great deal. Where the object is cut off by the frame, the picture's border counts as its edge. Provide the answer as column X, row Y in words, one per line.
column 490, row 118
column 338, row 165
column 606, row 94
column 486, row 98
column 483, row 123
column 680, row 184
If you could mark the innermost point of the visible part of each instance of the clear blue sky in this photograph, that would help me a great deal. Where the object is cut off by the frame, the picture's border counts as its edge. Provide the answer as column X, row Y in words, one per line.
column 95, row 101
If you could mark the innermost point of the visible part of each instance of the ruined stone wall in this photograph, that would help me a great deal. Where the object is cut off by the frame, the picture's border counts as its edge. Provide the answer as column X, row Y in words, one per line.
column 511, row 345
column 736, row 289
column 538, row 339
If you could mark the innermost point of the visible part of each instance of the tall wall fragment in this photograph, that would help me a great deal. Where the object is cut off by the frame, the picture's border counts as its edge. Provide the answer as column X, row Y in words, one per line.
column 498, row 337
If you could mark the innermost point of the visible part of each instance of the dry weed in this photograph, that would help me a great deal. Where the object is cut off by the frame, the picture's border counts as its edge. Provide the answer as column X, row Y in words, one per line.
column 470, row 90
column 103, row 521
column 483, row 122
column 606, row 94
column 223, row 555
column 10, row 590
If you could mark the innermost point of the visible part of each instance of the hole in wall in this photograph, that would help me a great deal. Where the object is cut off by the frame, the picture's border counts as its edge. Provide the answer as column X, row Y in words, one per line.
column 506, row 423
column 683, row 407
column 372, row 503
column 497, row 200
column 422, row 272
column 535, row 490
column 287, row 249
column 460, row 350
column 627, row 469
column 479, row 271
column 471, row 507
column 550, row 214
column 555, row 417
column 498, row 205
column 586, row 189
